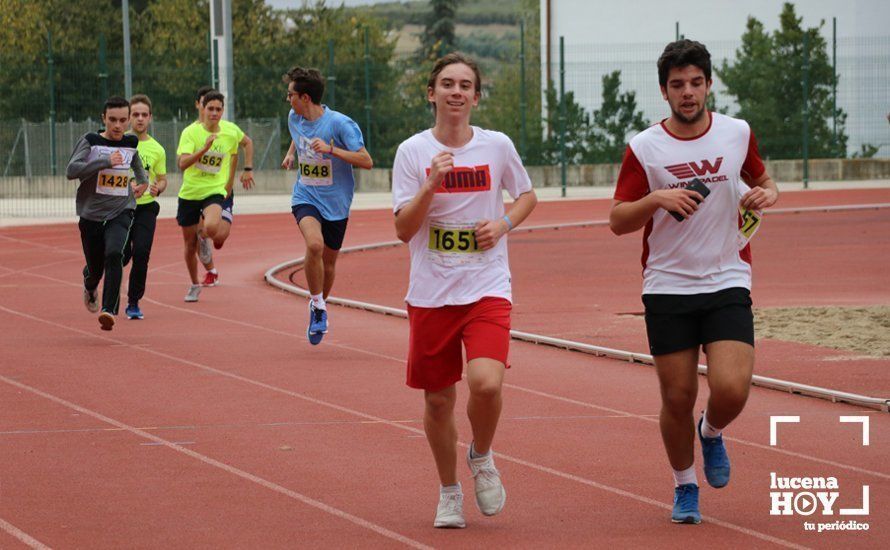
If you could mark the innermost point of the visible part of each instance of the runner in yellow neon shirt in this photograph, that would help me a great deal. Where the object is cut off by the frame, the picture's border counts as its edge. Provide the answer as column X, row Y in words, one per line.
column 204, row 156
column 206, row 244
column 142, row 232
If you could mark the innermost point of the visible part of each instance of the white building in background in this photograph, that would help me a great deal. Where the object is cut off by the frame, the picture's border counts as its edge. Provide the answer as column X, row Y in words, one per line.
column 602, row 36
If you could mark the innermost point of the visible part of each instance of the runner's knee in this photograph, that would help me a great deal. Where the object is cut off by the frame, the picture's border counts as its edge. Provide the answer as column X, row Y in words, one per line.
column 315, row 247
column 439, row 406
column 729, row 396
column 679, row 401
column 484, row 388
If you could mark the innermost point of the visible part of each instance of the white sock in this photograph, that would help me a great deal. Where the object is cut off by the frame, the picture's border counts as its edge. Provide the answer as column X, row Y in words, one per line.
column 706, row 429
column 450, row 489
column 212, row 271
column 682, row 477
column 318, row 301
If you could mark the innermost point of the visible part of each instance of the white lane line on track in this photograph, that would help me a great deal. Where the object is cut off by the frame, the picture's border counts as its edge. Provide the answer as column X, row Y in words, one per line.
column 401, row 360
column 197, row 427
column 23, row 537
column 380, row 530
column 532, row 465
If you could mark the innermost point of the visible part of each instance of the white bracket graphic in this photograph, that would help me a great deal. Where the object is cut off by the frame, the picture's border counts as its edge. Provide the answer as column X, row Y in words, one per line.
column 858, row 511
column 862, row 420
column 774, row 420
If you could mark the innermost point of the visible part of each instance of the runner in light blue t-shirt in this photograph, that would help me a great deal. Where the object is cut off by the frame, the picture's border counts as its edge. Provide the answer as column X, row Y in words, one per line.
column 325, row 145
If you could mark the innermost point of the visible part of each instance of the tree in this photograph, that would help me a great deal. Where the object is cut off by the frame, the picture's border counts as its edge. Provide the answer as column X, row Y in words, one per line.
column 767, row 81
column 574, row 129
column 610, row 124
column 438, row 37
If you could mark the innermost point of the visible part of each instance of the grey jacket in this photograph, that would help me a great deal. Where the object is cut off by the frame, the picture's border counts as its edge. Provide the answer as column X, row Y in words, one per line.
column 104, row 191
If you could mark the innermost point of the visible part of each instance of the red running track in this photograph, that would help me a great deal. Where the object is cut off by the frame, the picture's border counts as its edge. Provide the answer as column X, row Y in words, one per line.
column 216, row 425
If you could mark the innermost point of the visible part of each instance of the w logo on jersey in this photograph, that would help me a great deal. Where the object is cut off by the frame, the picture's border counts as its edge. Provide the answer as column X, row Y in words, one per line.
column 692, row 169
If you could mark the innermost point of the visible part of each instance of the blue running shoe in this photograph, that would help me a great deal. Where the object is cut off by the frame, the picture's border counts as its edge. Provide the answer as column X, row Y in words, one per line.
column 686, row 504
column 716, row 459
column 133, row 311
column 318, row 325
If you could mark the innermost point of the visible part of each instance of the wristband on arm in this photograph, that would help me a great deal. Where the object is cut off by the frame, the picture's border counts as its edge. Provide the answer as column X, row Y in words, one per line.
column 509, row 223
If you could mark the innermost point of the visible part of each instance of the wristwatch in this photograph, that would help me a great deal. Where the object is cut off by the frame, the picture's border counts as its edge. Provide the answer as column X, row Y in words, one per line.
column 248, row 168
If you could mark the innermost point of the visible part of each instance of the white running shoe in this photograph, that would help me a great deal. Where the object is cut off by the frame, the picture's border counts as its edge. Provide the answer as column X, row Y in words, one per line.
column 205, row 249
column 450, row 512
column 490, row 493
column 193, row 292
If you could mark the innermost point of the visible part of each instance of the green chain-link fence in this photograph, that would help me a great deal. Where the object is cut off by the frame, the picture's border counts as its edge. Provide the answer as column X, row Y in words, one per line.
column 46, row 103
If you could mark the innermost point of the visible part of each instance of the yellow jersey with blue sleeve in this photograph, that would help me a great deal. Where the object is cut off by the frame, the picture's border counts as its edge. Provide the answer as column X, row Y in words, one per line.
column 210, row 174
column 154, row 160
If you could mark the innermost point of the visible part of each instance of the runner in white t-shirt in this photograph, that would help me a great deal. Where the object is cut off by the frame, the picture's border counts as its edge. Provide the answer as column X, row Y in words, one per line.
column 447, row 198
column 696, row 261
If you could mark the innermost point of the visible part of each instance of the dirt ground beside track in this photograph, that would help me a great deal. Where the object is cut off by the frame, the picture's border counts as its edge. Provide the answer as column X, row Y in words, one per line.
column 862, row 330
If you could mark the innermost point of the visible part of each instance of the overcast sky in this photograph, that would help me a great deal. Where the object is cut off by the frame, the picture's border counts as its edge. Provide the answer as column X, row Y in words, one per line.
column 716, row 20
column 611, row 21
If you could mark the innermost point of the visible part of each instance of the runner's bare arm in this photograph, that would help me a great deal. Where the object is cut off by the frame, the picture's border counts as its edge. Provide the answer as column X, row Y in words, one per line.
column 288, row 161
column 186, row 160
column 410, row 217
column 628, row 216
column 360, row 158
column 247, row 173
column 763, row 194
column 488, row 232
column 159, row 186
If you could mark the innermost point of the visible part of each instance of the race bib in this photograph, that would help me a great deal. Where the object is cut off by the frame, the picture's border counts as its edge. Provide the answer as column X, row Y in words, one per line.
column 113, row 181
column 750, row 223
column 453, row 244
column 210, row 162
column 316, row 171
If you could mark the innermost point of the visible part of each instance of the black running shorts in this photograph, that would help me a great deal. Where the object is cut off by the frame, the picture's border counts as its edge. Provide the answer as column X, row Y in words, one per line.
column 332, row 232
column 676, row 322
column 189, row 212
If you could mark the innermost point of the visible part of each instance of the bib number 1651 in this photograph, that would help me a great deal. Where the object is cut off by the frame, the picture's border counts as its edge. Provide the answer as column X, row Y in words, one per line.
column 453, row 240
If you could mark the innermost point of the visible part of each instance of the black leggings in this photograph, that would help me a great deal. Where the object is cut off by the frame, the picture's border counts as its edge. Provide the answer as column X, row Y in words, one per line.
column 142, row 235
column 103, row 250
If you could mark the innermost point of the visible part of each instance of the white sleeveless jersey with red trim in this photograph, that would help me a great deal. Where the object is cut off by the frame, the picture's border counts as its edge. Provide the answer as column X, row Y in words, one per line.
column 700, row 254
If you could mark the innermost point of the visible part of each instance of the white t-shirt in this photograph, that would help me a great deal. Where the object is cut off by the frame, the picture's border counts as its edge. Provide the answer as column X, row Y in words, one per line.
column 700, row 254
column 446, row 266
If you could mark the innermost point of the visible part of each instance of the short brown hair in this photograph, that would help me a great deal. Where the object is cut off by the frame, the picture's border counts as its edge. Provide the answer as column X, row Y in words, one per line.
column 683, row 53
column 213, row 95
column 451, row 59
column 141, row 98
column 306, row 81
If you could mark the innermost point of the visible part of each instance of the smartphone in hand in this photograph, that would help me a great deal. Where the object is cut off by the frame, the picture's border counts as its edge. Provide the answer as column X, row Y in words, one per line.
column 700, row 188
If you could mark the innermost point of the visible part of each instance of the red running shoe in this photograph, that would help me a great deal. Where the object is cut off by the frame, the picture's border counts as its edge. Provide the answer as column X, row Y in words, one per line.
column 210, row 279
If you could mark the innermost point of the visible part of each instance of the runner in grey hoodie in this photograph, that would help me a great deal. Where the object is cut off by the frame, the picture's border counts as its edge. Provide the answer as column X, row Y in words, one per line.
column 106, row 199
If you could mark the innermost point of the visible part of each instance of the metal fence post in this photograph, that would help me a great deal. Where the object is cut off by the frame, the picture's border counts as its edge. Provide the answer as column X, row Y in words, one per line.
column 52, row 102
column 27, row 147
column 562, row 114
column 834, row 148
column 103, row 67
column 522, row 92
column 806, row 112
column 128, row 67
column 367, row 90
column 332, row 80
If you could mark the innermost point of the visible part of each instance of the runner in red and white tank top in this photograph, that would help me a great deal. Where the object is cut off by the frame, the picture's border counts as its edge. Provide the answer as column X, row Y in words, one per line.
column 449, row 208
column 701, row 254
column 696, row 261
